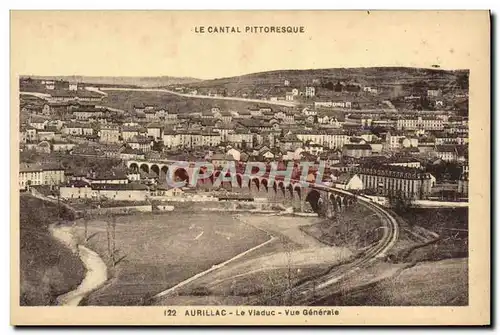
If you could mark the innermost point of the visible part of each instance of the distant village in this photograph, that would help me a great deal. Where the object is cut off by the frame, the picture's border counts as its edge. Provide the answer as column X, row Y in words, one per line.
column 415, row 144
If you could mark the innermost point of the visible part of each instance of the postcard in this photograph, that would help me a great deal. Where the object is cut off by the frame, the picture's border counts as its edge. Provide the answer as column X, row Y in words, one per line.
column 250, row 167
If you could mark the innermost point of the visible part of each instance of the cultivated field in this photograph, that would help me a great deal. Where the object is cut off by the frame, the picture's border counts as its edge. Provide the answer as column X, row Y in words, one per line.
column 159, row 251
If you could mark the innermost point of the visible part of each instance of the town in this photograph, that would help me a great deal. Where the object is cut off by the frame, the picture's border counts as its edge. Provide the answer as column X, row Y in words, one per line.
column 290, row 188
column 415, row 144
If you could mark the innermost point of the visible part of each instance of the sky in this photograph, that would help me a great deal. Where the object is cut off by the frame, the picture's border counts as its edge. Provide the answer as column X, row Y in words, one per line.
column 162, row 43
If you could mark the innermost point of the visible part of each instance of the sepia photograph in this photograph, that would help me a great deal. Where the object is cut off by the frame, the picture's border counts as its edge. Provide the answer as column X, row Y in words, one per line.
column 250, row 165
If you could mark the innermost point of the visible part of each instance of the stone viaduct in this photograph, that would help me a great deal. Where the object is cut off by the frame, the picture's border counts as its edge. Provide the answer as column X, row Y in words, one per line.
column 322, row 199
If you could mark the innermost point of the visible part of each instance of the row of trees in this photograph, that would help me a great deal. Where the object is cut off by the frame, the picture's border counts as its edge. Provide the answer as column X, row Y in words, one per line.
column 112, row 252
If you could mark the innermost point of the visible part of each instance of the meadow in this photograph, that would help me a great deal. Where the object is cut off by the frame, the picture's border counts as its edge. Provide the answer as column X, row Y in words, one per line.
column 156, row 252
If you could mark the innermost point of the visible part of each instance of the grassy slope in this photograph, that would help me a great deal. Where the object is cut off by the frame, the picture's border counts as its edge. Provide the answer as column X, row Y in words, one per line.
column 373, row 75
column 442, row 283
column 354, row 228
column 48, row 268
column 452, row 226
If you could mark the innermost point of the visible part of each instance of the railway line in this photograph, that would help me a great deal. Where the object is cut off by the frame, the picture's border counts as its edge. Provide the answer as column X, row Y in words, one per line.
column 315, row 291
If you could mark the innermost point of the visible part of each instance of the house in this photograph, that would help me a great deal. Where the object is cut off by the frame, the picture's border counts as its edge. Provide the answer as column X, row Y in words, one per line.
column 62, row 146
column 30, row 133
column 114, row 176
column 39, row 174
column 314, row 149
column 236, row 154
column 267, row 154
column 109, row 134
column 141, row 143
column 220, row 160
column 310, row 91
column 356, row 150
column 38, row 123
column 289, row 96
column 128, row 153
column 290, row 142
column 73, row 128
column 433, row 93
column 348, row 181
column 463, row 185
column 447, row 153
column 154, row 130
column 46, row 135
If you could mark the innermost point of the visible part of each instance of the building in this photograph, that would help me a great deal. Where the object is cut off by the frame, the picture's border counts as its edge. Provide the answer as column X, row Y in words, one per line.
column 349, row 181
column 386, row 180
column 447, row 153
column 117, row 192
column 140, row 143
column 62, row 146
column 463, row 185
column 433, row 93
column 155, row 130
column 420, row 123
column 73, row 129
column 394, row 140
column 109, row 134
column 354, row 150
column 310, row 91
column 38, row 174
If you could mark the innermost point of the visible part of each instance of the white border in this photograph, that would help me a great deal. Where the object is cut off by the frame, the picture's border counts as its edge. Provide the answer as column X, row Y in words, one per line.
column 188, row 4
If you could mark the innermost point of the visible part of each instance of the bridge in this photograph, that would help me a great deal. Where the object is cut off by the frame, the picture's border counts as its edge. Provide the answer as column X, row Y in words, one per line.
column 293, row 192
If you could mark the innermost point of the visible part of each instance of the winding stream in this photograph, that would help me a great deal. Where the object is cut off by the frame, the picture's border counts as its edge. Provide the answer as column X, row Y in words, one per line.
column 96, row 271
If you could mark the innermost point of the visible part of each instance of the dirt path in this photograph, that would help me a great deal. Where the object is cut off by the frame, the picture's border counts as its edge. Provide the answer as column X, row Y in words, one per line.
column 310, row 252
column 213, row 268
column 96, row 274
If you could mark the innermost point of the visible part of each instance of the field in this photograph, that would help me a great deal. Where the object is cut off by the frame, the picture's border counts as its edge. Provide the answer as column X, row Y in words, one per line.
column 158, row 251
column 47, row 268
column 125, row 100
column 292, row 257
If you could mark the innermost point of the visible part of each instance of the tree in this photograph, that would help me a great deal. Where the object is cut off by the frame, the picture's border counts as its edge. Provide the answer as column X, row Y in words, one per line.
column 158, row 146
column 329, row 86
column 399, row 201
column 338, row 87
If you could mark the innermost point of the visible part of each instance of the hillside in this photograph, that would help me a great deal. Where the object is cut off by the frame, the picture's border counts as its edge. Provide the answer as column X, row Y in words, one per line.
column 389, row 81
column 123, row 81
column 365, row 76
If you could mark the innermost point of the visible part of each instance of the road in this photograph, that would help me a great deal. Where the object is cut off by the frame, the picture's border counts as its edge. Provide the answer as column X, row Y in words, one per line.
column 258, row 101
